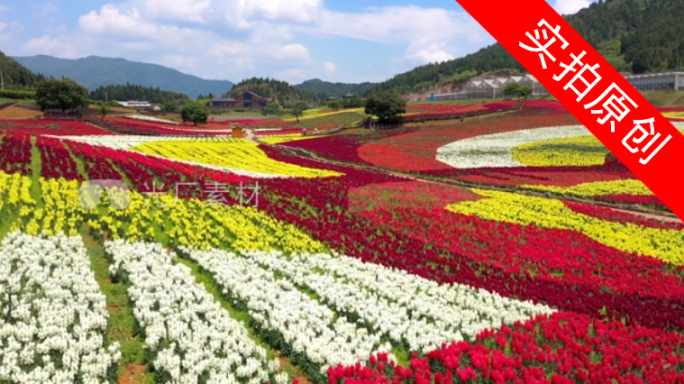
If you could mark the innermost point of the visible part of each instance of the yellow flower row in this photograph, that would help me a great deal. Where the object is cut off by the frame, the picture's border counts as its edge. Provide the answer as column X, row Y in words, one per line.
column 315, row 112
column 569, row 151
column 232, row 154
column 285, row 138
column 172, row 221
column 667, row 245
column 615, row 187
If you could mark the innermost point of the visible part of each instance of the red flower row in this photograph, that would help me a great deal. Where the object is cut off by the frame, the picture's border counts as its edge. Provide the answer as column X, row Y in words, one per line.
column 15, row 153
column 634, row 199
column 56, row 160
column 51, row 127
column 563, row 348
column 557, row 176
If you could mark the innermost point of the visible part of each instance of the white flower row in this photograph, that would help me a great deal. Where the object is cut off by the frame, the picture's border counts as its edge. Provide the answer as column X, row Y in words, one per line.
column 150, row 118
column 187, row 329
column 404, row 307
column 126, row 142
column 495, row 150
column 53, row 317
column 308, row 327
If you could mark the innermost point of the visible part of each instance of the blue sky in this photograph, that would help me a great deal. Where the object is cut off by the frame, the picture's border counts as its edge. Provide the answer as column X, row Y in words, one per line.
column 292, row 40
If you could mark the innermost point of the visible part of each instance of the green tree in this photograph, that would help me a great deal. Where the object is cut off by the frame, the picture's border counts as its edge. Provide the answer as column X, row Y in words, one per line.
column 355, row 102
column 104, row 109
column 62, row 94
column 512, row 89
column 334, row 104
column 194, row 112
column 298, row 110
column 272, row 108
column 169, row 106
column 386, row 106
column 524, row 91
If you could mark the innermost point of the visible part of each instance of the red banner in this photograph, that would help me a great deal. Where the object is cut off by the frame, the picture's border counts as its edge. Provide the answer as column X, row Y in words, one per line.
column 591, row 89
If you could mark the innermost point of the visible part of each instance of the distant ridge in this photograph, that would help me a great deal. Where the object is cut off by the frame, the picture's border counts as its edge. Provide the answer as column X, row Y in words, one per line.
column 93, row 72
column 333, row 89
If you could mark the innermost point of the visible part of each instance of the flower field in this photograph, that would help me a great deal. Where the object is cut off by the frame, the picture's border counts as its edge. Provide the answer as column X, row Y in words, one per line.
column 234, row 155
column 490, row 260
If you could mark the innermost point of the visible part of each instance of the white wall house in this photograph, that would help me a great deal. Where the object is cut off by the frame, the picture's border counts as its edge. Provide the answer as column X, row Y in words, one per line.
column 135, row 104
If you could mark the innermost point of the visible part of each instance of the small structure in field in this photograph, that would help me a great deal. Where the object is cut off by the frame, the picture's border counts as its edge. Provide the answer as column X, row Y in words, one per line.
column 237, row 133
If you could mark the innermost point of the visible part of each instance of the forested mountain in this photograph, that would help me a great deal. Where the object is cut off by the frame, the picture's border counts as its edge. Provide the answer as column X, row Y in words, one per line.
column 281, row 91
column 136, row 92
column 633, row 35
column 15, row 76
column 333, row 89
column 93, row 71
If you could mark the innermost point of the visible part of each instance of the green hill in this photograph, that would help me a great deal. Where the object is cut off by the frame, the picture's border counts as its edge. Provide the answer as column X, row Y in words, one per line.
column 93, row 72
column 276, row 89
column 633, row 35
column 15, row 76
column 334, row 89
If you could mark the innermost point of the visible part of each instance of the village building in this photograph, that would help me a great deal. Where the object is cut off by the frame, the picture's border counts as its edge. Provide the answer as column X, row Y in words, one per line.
column 135, row 104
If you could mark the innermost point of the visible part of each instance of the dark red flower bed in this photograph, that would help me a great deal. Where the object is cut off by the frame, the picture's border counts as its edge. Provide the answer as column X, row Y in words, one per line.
column 563, row 348
column 51, row 127
column 15, row 154
column 56, row 159
column 556, row 176
column 344, row 147
column 633, row 199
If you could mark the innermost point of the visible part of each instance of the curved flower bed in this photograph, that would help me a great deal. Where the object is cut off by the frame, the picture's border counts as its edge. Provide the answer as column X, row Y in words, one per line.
column 54, row 320
column 238, row 156
column 496, row 150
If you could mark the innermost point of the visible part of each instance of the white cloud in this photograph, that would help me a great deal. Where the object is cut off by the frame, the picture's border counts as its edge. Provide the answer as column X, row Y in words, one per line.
column 429, row 55
column 49, row 45
column 181, row 10
column 293, row 51
column 234, row 39
column 569, row 7
column 292, row 76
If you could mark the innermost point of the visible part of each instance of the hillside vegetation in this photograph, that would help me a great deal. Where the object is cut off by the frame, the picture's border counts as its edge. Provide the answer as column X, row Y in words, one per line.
column 15, row 76
column 337, row 90
column 633, row 35
column 278, row 90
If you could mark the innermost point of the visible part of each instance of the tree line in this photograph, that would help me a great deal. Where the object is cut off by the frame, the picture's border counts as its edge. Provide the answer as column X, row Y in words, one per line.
column 137, row 92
